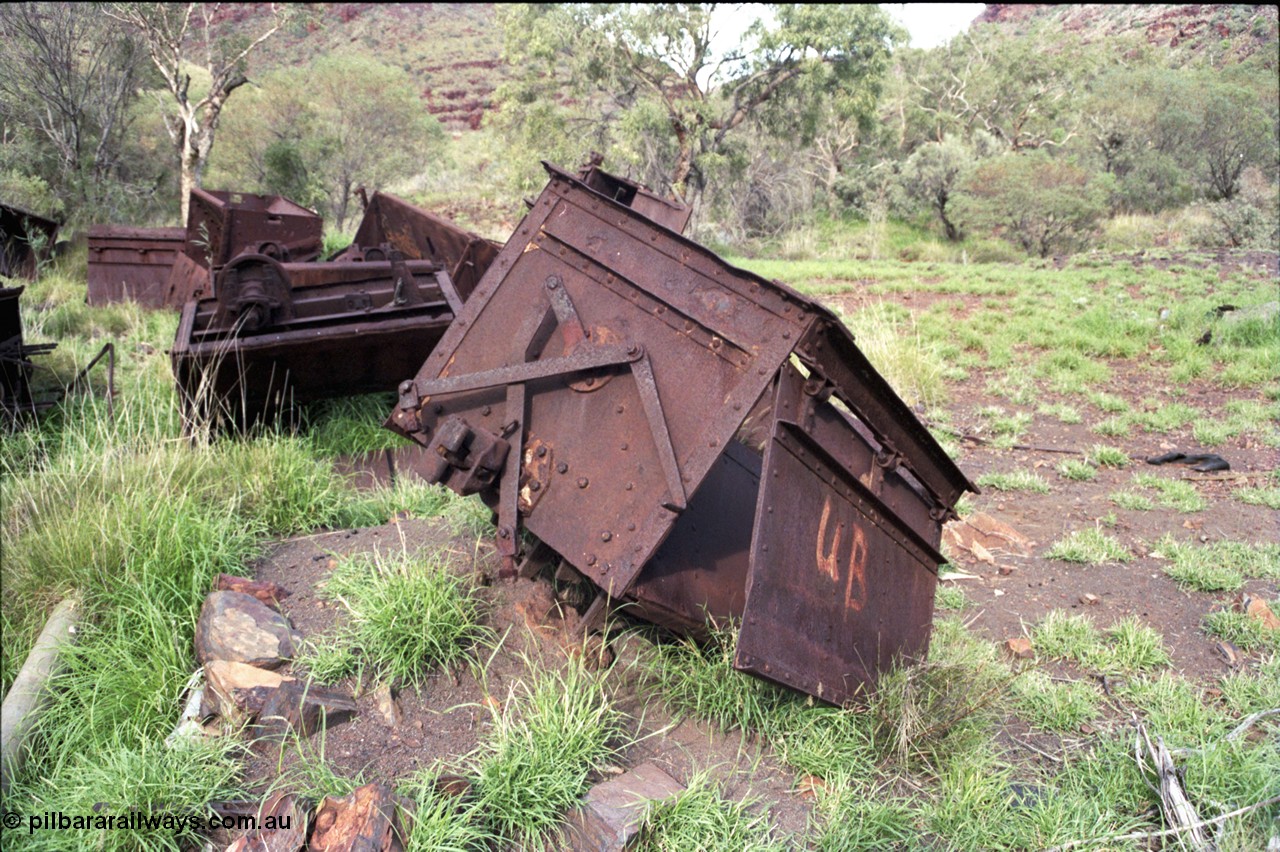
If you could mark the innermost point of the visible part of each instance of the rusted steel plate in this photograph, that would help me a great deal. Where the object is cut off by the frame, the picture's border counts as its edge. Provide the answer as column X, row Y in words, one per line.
column 132, row 263
column 420, row 234
column 222, row 225
column 278, row 334
column 719, row 335
column 840, row 585
column 699, row 574
column 187, row 280
column 838, row 589
column 26, row 238
column 665, row 211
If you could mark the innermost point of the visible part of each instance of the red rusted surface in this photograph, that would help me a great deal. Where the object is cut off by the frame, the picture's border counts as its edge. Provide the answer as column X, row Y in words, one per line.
column 593, row 390
column 665, row 211
column 132, row 263
column 167, row 267
column 222, row 225
column 26, row 239
column 277, row 334
column 419, row 234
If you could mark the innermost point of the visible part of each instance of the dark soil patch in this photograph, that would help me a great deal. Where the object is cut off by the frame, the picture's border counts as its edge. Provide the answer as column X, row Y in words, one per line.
column 449, row 716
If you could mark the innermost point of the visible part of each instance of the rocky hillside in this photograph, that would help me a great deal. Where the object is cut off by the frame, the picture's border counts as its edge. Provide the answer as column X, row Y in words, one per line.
column 1224, row 33
column 453, row 50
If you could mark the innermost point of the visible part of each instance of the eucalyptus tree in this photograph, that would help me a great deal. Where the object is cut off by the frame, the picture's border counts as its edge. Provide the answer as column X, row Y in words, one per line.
column 678, row 85
column 183, row 37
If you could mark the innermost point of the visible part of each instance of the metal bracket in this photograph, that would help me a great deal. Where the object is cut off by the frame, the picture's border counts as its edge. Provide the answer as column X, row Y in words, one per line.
column 589, row 358
column 509, row 489
column 648, row 388
column 450, row 292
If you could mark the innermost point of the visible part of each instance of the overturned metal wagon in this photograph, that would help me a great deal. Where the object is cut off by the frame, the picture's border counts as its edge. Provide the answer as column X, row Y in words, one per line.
column 699, row 442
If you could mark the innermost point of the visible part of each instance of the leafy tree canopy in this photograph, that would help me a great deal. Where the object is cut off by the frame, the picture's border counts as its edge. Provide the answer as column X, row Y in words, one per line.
column 660, row 67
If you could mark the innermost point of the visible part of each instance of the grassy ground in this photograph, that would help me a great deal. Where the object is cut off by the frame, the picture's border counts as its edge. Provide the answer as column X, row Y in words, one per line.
column 137, row 520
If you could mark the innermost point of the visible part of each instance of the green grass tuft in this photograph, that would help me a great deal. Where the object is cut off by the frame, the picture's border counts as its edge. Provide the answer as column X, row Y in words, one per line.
column 1173, row 493
column 1218, row 567
column 1252, row 690
column 1055, row 706
column 700, row 681
column 440, row 823
column 1077, row 471
column 550, row 734
column 1104, row 456
column 1089, row 547
column 1064, row 413
column 1133, row 646
column 700, row 817
column 1112, row 427
column 951, row 598
column 1133, row 501
column 406, row 616
column 862, row 816
column 1127, row 646
column 1269, row 497
column 1060, row 635
column 1242, row 630
column 1018, row 480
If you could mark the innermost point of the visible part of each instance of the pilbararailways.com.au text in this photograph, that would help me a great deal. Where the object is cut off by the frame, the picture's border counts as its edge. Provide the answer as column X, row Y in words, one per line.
column 137, row 820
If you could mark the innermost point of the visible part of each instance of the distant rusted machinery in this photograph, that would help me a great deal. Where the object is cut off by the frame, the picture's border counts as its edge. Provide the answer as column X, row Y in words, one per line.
column 160, row 267
column 698, row 442
column 16, row 365
column 26, row 239
column 275, row 331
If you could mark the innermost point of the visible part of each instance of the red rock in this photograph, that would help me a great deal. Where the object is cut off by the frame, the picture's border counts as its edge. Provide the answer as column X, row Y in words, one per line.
column 235, row 691
column 367, row 820
column 302, row 709
column 264, row 590
column 238, row 627
column 282, row 827
column 1020, row 648
column 1257, row 609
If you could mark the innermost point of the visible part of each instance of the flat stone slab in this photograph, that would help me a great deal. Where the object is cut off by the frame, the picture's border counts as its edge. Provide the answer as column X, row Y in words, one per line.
column 235, row 692
column 611, row 817
column 240, row 628
column 298, row 708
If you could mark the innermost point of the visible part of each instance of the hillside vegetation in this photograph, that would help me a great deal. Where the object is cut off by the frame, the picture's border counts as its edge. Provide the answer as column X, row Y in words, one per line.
column 1042, row 130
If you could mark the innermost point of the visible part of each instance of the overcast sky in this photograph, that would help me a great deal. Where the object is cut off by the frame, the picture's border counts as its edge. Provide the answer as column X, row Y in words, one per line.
column 932, row 24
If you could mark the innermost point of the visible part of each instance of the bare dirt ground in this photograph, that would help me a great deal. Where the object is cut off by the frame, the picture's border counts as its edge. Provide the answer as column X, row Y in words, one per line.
column 445, row 720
